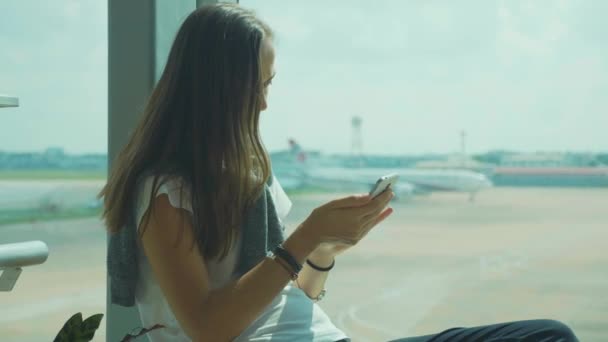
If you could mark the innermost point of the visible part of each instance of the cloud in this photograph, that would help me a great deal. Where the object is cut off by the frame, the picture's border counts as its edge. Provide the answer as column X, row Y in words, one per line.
column 72, row 9
column 531, row 29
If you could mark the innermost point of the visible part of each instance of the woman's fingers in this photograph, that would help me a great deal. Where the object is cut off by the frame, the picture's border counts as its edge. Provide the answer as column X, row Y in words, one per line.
column 375, row 220
column 373, row 214
column 351, row 201
column 376, row 205
column 356, row 215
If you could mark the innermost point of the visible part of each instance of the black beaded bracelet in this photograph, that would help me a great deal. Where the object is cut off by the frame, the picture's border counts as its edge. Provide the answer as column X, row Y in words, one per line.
column 287, row 257
column 321, row 269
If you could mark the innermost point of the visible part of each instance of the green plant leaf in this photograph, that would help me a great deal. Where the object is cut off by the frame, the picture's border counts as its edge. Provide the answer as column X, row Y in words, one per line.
column 90, row 325
column 75, row 330
column 67, row 333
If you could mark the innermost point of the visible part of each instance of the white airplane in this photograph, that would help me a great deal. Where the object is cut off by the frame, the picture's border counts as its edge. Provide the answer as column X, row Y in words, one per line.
column 299, row 174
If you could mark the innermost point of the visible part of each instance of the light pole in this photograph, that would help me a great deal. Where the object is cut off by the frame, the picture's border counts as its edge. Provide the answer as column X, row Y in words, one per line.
column 357, row 139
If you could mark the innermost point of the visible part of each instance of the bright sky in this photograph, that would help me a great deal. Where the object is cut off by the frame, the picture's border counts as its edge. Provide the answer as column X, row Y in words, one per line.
column 518, row 75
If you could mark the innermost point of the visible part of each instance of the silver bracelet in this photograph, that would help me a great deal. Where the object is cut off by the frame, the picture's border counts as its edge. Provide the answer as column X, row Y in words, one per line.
column 317, row 298
column 320, row 296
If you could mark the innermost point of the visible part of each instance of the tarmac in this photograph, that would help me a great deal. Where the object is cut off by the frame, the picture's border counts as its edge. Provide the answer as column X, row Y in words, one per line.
column 437, row 262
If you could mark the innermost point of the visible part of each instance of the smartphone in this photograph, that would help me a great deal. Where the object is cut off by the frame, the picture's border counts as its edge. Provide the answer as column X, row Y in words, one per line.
column 383, row 183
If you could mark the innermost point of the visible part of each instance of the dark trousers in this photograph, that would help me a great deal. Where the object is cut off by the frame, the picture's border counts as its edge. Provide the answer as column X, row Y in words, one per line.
column 521, row 331
column 542, row 330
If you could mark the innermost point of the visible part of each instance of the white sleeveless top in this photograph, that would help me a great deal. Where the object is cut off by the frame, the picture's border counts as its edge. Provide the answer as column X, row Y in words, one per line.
column 291, row 316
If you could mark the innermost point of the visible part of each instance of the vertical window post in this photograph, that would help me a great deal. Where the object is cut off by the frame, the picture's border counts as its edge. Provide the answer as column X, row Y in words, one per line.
column 140, row 34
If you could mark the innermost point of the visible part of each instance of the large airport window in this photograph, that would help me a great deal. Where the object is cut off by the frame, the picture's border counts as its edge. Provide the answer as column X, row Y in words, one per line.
column 494, row 115
column 53, row 161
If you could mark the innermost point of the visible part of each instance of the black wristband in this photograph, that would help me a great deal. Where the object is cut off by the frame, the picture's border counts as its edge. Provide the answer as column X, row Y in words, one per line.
column 321, row 269
column 285, row 255
column 293, row 275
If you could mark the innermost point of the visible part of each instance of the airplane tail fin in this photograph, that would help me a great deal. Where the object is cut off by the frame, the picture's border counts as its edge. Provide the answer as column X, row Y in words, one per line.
column 290, row 170
column 297, row 152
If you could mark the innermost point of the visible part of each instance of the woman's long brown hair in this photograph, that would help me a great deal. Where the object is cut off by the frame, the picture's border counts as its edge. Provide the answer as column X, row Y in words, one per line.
column 201, row 125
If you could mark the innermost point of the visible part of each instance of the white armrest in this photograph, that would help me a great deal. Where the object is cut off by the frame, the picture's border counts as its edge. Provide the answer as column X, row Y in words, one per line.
column 14, row 256
column 8, row 101
column 23, row 254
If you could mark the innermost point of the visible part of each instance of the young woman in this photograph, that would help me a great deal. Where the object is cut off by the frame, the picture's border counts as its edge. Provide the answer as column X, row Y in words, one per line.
column 187, row 182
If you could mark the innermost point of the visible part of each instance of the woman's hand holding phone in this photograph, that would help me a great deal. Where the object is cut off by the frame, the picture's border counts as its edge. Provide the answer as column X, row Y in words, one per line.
column 342, row 223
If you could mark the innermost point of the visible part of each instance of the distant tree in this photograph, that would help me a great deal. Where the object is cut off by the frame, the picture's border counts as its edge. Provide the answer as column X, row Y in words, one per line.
column 489, row 157
column 602, row 158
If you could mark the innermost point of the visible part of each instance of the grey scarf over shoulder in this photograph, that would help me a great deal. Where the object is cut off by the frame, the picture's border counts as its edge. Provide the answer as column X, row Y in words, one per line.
column 261, row 232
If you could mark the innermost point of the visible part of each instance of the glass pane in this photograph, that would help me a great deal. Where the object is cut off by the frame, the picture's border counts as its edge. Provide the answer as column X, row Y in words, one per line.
column 450, row 95
column 53, row 161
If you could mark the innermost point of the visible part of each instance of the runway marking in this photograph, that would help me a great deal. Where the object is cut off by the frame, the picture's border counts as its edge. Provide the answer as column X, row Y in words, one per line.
column 87, row 298
column 423, row 291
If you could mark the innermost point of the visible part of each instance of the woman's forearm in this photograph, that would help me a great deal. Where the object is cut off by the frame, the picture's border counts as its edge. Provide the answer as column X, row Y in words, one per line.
column 229, row 310
column 311, row 281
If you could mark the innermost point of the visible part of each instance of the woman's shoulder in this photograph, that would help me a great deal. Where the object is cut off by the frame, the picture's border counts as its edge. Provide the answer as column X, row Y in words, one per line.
column 173, row 186
column 153, row 185
column 178, row 193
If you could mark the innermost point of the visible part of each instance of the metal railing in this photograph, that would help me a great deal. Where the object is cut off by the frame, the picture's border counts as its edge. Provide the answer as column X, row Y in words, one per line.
column 8, row 101
column 15, row 256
